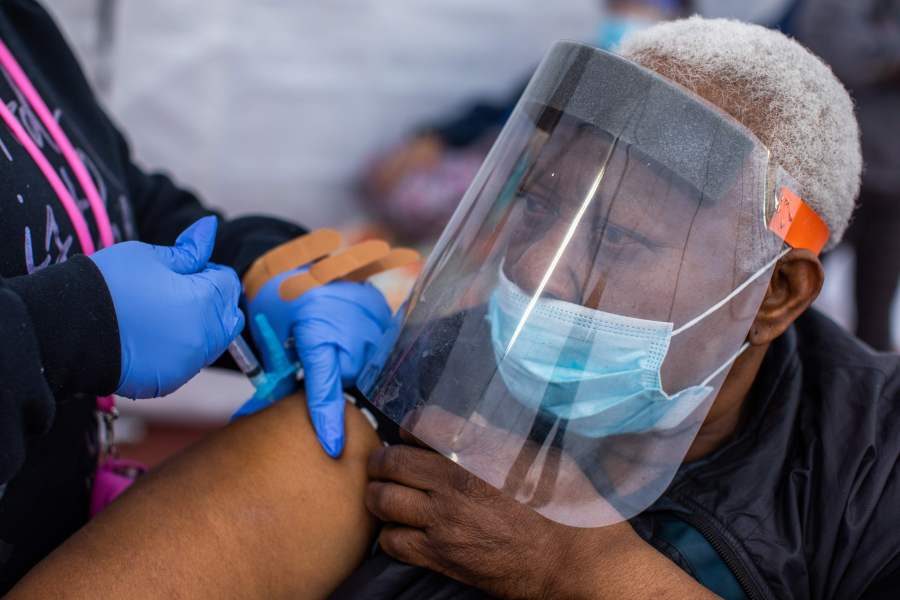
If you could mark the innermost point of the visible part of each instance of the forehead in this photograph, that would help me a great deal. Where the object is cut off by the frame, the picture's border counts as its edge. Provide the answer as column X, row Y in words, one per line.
column 655, row 244
column 580, row 163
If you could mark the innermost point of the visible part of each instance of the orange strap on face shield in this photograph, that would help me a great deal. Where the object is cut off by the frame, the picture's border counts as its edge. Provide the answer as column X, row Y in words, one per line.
column 797, row 224
column 318, row 250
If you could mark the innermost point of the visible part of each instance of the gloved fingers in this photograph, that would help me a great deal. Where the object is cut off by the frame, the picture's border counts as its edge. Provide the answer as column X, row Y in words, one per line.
column 352, row 364
column 239, row 324
column 325, row 396
column 223, row 289
column 398, row 257
column 334, row 267
column 192, row 249
column 362, row 298
column 291, row 255
column 351, row 332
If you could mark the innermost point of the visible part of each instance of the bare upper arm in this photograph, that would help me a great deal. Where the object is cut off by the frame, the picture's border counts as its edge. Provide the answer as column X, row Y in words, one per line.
column 256, row 509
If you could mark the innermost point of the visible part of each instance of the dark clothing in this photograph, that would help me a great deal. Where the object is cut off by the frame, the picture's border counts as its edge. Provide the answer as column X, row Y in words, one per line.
column 875, row 237
column 59, row 340
column 474, row 121
column 802, row 503
column 861, row 41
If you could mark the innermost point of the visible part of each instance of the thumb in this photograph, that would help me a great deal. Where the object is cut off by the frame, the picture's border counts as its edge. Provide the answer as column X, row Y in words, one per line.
column 325, row 396
column 192, row 249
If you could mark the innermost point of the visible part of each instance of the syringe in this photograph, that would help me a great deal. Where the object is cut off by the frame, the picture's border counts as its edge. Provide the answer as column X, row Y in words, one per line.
column 246, row 361
column 270, row 385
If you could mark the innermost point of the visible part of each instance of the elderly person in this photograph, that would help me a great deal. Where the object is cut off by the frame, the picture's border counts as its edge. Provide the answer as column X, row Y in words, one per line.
column 611, row 359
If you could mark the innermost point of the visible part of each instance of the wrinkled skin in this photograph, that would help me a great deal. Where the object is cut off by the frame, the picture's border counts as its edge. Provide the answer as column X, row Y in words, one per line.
column 440, row 517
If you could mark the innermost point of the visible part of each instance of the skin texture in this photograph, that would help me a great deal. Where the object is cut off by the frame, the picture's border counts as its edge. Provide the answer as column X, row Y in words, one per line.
column 442, row 518
column 256, row 510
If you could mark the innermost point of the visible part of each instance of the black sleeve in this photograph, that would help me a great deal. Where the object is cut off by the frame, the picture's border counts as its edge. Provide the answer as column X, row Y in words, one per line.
column 474, row 121
column 162, row 210
column 885, row 588
column 58, row 334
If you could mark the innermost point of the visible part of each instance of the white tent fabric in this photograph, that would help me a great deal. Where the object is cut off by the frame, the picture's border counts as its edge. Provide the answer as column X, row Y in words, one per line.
column 275, row 106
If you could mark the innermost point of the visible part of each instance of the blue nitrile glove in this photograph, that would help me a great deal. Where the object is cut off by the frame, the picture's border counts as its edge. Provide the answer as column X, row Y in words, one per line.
column 176, row 311
column 335, row 329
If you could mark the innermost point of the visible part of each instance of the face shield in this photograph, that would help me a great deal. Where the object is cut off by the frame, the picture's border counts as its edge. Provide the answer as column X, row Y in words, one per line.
column 583, row 307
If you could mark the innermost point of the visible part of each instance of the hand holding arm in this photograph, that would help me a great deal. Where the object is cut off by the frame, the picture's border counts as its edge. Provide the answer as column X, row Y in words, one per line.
column 440, row 517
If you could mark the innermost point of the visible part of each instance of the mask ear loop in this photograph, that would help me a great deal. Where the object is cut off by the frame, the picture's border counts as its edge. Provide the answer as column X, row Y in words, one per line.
column 733, row 294
column 722, row 303
column 725, row 365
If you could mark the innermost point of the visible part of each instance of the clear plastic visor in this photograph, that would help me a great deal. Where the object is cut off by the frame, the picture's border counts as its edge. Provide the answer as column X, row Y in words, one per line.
column 574, row 325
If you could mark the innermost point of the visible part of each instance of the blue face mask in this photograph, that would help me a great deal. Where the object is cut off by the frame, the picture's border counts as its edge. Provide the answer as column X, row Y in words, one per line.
column 614, row 28
column 599, row 371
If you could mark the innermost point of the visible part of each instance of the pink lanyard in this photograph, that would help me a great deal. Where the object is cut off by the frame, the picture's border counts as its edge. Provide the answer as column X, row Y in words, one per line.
column 106, row 404
column 113, row 476
column 9, row 63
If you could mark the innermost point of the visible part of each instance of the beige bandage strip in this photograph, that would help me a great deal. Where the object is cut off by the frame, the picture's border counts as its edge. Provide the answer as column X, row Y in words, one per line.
column 398, row 257
column 334, row 267
column 290, row 255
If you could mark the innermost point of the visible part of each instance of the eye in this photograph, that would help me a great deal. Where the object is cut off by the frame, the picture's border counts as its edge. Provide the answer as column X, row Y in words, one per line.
column 620, row 236
column 617, row 236
column 535, row 205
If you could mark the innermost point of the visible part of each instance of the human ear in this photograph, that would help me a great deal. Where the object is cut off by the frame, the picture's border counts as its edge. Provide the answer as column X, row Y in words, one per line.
column 795, row 284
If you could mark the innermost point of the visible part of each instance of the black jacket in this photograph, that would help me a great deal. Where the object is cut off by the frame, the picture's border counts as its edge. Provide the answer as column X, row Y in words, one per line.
column 59, row 342
column 803, row 503
column 806, row 499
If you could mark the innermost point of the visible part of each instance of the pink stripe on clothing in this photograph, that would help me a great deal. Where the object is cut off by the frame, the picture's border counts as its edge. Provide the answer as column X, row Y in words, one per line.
column 78, row 222
column 59, row 136
column 10, row 64
column 114, row 476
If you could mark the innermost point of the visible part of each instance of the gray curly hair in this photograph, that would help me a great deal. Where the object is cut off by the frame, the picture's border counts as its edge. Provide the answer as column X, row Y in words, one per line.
column 779, row 90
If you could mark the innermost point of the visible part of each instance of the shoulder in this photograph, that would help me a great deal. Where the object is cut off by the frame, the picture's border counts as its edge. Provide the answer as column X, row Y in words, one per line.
column 850, row 393
column 849, row 431
column 842, row 368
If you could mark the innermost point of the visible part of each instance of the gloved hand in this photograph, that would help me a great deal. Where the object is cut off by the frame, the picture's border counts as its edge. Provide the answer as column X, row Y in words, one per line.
column 336, row 325
column 176, row 311
column 335, row 328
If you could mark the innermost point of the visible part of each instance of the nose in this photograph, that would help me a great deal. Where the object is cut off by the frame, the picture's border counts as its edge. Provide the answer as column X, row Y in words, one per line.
column 570, row 277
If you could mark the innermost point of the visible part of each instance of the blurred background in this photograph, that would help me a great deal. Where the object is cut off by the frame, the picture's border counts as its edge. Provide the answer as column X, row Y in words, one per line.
column 372, row 116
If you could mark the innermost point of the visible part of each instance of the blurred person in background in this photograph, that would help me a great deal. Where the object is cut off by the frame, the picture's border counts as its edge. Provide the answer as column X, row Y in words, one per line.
column 861, row 41
column 414, row 188
column 778, row 14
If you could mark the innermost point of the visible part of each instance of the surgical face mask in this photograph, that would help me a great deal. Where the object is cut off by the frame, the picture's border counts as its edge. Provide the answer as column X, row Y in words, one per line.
column 614, row 28
column 598, row 371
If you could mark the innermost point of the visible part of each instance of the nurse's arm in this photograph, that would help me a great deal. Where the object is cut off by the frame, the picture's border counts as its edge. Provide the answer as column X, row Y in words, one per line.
column 254, row 510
